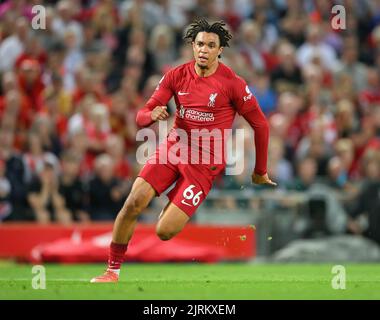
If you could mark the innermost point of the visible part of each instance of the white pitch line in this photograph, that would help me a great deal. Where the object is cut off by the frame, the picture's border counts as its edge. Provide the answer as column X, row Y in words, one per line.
column 51, row 280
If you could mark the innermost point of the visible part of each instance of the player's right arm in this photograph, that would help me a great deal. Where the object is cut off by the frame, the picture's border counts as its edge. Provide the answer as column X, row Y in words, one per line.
column 155, row 109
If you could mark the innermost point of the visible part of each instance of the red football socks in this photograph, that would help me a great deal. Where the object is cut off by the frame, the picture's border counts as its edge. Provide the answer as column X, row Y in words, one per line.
column 116, row 256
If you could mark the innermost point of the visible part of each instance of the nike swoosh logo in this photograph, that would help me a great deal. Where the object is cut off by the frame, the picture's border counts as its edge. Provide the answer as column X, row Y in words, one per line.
column 184, row 202
column 182, row 93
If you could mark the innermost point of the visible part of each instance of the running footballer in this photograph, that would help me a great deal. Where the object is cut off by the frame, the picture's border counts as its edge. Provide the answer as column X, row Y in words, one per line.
column 207, row 94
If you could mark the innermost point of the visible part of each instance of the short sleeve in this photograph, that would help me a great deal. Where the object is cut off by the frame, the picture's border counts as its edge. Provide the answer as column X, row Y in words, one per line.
column 164, row 90
column 242, row 98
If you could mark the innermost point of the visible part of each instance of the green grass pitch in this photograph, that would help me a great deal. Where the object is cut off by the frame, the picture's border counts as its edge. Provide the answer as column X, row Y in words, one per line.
column 193, row 281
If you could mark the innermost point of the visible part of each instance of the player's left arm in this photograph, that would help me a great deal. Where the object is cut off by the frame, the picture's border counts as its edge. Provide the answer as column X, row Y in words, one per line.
column 259, row 124
column 247, row 106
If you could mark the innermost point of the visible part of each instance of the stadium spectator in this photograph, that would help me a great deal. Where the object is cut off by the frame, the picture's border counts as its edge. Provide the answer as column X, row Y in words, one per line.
column 87, row 85
column 294, row 22
column 57, row 119
column 344, row 88
column 364, row 216
column 98, row 59
column 30, row 83
column 8, row 83
column 55, row 61
column 72, row 189
column 314, row 50
column 64, row 22
column 136, row 60
column 73, row 59
column 16, row 113
column 15, row 173
column 82, row 117
column 337, row 175
column 370, row 96
column 104, row 19
column 344, row 150
column 170, row 13
column 140, row 14
column 279, row 168
column 265, row 17
column 315, row 145
column 33, row 51
column 260, row 86
column 77, row 143
column 35, row 156
column 56, row 101
column 290, row 106
column 123, row 111
column 306, row 175
column 161, row 47
column 363, row 141
column 316, row 84
column 115, row 147
column 93, row 120
column 350, row 65
column 43, row 127
column 231, row 15
column 376, row 120
column 374, row 41
column 345, row 120
column 98, row 129
column 44, row 198
column 12, row 46
column 90, row 39
column 287, row 75
column 47, row 36
column 5, row 193
column 105, row 193
column 251, row 45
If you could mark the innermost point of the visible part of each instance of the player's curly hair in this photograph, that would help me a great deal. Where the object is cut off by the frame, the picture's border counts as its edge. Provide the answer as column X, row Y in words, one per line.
column 202, row 25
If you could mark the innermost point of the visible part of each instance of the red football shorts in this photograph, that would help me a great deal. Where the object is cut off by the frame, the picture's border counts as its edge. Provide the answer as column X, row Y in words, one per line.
column 192, row 181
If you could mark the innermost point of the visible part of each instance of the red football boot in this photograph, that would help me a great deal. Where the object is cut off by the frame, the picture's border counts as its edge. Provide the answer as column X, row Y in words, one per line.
column 107, row 277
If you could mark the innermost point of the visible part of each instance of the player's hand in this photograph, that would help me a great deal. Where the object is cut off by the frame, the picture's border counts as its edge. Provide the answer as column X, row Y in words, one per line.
column 159, row 113
column 264, row 179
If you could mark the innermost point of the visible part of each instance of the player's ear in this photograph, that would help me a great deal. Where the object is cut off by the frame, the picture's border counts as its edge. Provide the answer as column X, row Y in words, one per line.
column 220, row 52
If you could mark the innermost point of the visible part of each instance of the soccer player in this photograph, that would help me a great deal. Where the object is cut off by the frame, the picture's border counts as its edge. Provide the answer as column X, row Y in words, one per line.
column 207, row 94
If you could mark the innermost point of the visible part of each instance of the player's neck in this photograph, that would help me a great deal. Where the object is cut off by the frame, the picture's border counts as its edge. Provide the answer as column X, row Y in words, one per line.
column 206, row 72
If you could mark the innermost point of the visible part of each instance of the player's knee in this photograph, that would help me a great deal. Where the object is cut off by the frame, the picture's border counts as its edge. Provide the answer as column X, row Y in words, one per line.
column 165, row 234
column 133, row 206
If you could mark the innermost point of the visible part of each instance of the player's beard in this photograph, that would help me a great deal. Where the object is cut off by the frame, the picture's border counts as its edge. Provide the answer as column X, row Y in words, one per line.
column 202, row 67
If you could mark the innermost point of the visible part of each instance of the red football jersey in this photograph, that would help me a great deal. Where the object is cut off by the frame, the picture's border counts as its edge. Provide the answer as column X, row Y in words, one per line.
column 202, row 102
column 205, row 102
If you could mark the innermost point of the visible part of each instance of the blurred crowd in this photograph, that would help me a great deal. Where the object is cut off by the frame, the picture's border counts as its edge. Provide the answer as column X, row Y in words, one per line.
column 69, row 94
